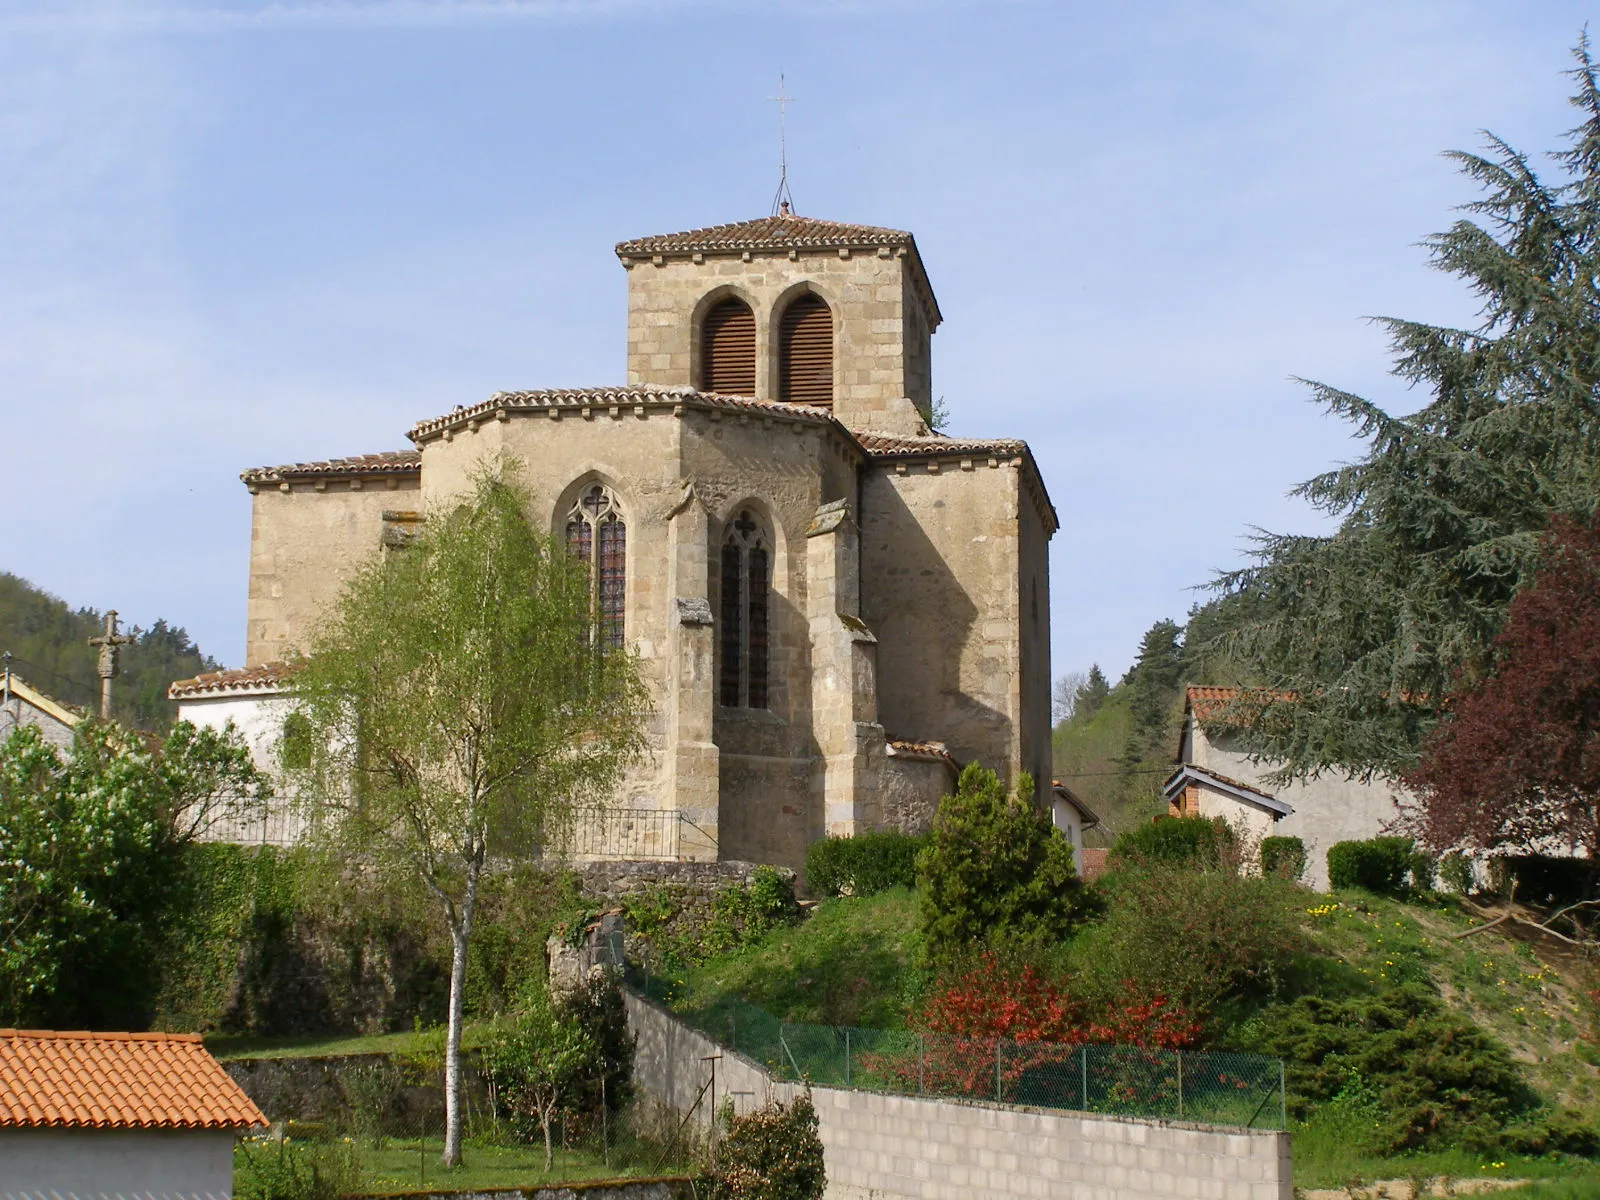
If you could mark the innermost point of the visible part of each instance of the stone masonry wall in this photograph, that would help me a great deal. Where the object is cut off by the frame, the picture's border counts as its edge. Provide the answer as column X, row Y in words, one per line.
column 882, row 1147
column 305, row 539
column 880, row 357
column 940, row 567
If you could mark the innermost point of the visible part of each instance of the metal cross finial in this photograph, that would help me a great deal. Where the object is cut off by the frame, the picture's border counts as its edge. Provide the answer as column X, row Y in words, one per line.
column 110, row 665
column 783, row 202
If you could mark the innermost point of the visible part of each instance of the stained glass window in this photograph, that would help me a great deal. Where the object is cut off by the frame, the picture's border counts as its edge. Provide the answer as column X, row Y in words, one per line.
column 746, row 578
column 597, row 536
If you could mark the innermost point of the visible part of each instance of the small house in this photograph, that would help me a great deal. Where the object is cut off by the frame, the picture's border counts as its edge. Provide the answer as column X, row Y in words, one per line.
column 1071, row 816
column 1216, row 777
column 21, row 704
column 101, row 1116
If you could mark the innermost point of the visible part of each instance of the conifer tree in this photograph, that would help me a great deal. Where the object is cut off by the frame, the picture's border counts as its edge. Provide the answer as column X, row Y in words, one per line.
column 1092, row 694
column 1360, row 633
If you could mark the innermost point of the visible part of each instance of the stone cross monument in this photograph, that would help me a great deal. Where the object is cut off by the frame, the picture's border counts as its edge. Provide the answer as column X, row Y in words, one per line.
column 110, row 665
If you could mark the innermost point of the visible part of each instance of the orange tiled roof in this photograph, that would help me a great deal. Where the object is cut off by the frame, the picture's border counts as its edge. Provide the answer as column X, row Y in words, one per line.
column 893, row 445
column 769, row 233
column 393, row 462
column 240, row 679
column 909, row 749
column 788, row 232
column 1208, row 702
column 117, row 1081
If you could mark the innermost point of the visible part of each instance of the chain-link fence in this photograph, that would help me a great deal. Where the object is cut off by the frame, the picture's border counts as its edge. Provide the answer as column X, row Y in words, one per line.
column 1211, row 1087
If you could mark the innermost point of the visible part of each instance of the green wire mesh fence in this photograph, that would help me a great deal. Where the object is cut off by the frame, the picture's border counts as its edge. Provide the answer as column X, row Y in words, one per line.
column 1211, row 1087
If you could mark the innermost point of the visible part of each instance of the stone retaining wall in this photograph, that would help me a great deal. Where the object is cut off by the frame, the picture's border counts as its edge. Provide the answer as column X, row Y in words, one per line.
column 884, row 1147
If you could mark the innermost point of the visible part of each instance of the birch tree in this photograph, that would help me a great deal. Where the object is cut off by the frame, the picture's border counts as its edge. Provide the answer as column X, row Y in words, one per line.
column 460, row 707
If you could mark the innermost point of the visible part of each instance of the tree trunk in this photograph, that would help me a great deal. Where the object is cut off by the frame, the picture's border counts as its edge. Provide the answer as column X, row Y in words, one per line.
column 460, row 933
column 549, row 1152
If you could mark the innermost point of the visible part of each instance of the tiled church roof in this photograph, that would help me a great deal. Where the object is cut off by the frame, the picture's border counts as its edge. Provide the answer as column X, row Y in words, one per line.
column 240, row 679
column 117, row 1081
column 395, row 462
column 893, row 445
column 769, row 233
column 788, row 232
column 578, row 399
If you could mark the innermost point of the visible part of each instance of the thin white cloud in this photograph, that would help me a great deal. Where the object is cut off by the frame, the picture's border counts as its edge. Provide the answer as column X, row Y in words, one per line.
column 388, row 14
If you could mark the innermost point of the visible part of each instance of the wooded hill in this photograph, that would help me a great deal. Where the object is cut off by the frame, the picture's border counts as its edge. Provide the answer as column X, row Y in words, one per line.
column 49, row 644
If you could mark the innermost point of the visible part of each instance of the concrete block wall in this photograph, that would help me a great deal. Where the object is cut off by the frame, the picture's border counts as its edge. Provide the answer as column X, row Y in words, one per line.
column 884, row 1147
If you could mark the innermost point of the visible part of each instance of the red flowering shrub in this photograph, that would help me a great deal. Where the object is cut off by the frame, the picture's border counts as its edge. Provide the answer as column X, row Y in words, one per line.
column 1019, row 1004
column 1012, row 1033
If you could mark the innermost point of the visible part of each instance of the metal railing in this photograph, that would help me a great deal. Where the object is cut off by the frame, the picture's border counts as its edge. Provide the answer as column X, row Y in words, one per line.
column 1204, row 1086
column 659, row 834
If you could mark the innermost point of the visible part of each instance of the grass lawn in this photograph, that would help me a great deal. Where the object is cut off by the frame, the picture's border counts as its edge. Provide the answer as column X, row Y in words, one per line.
column 403, row 1164
column 225, row 1046
column 406, row 1164
column 853, row 962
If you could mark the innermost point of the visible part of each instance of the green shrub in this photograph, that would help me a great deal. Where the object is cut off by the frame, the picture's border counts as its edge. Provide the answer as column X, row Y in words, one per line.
column 1199, row 937
column 597, row 1009
column 995, row 868
column 671, row 928
column 774, row 1153
column 1283, row 857
column 1196, row 841
column 863, row 865
column 1457, row 874
column 272, row 1169
column 1380, row 864
column 1433, row 1079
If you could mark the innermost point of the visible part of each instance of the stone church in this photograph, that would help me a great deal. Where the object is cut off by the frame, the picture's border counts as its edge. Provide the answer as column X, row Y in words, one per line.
column 834, row 606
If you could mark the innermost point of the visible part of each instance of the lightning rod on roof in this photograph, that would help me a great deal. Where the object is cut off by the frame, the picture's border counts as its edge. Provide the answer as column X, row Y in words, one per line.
column 783, row 201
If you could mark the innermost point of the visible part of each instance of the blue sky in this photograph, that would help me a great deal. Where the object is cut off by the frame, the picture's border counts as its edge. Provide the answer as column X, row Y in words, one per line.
column 248, row 233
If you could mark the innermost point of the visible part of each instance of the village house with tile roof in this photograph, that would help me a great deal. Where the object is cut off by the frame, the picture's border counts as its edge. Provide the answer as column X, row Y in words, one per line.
column 97, row 1116
column 22, row 704
column 1215, row 777
column 833, row 604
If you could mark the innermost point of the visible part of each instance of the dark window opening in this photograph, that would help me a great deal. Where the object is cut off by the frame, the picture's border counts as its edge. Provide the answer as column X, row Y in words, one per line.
column 746, row 591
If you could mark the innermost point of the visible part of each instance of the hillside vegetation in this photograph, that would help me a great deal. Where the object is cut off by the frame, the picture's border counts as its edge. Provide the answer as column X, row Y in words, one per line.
column 49, row 644
column 859, row 961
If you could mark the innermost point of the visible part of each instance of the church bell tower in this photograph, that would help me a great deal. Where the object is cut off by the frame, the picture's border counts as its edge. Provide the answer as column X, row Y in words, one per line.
column 791, row 309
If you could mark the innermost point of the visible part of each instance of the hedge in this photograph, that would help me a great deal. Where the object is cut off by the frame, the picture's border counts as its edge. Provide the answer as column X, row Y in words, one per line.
column 1196, row 840
column 1383, row 864
column 1283, row 857
column 863, row 865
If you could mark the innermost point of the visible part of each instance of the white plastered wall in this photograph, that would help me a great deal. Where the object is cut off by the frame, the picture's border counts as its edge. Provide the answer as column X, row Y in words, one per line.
column 116, row 1164
column 1328, row 809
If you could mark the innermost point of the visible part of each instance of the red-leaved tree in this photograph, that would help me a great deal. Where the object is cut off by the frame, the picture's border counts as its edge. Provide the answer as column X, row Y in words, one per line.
column 1516, row 759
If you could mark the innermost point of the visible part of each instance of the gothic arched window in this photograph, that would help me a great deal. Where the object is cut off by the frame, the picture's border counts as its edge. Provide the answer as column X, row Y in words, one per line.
column 746, row 580
column 598, row 537
column 728, row 349
column 805, row 351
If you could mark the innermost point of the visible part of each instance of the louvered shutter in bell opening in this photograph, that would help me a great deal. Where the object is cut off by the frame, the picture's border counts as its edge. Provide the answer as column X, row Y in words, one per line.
column 728, row 350
column 806, row 350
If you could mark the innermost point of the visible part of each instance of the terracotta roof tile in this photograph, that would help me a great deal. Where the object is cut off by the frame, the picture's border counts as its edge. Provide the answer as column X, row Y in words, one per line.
column 394, row 462
column 893, row 445
column 578, row 399
column 265, row 677
column 933, row 750
column 1209, row 702
column 117, row 1081
column 768, row 233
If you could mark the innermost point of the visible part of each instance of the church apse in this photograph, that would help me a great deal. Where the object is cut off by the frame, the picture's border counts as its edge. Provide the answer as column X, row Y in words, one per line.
column 833, row 607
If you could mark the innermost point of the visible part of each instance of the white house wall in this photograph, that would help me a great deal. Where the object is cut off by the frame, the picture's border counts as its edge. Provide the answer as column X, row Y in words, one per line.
column 259, row 718
column 115, row 1164
column 1327, row 809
